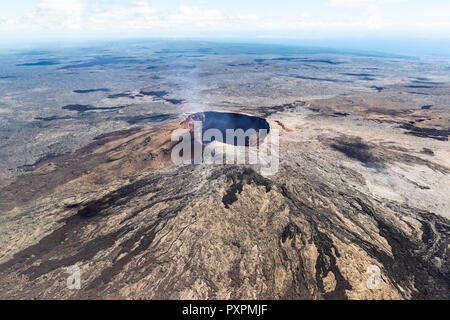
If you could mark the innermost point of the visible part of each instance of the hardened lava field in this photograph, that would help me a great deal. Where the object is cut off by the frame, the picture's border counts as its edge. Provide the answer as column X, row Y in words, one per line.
column 86, row 177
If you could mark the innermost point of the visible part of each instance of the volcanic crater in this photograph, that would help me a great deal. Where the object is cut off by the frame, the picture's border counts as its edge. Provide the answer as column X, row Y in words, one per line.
column 223, row 121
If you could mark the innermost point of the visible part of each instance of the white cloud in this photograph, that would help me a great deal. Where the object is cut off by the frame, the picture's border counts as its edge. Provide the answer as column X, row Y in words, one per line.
column 246, row 17
column 373, row 17
column 195, row 17
column 139, row 15
column 56, row 14
column 356, row 3
column 348, row 3
column 335, row 17
column 97, row 16
column 62, row 6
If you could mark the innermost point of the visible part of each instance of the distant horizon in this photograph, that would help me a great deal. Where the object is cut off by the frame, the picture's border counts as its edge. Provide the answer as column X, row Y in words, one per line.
column 389, row 46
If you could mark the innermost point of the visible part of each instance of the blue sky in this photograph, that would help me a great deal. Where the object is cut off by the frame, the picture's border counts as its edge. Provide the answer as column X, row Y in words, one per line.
column 281, row 19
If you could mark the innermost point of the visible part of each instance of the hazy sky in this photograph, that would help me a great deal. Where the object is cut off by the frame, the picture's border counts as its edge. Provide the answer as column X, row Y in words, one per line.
column 296, row 19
